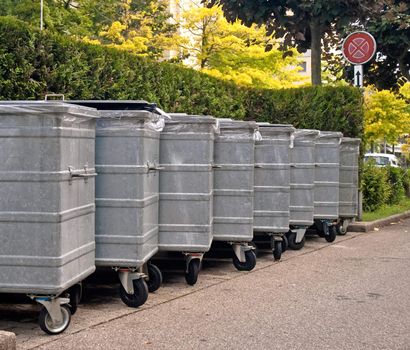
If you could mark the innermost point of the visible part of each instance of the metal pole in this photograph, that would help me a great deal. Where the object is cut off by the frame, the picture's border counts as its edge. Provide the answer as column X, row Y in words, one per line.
column 41, row 14
column 358, row 75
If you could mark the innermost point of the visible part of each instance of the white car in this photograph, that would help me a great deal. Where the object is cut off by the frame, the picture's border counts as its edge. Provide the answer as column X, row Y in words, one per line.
column 383, row 159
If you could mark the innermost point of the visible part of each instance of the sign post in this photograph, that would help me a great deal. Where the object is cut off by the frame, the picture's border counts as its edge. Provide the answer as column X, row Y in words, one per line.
column 358, row 49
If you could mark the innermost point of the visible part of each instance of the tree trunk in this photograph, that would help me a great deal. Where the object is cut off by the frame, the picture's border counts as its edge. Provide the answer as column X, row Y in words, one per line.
column 316, row 47
column 403, row 67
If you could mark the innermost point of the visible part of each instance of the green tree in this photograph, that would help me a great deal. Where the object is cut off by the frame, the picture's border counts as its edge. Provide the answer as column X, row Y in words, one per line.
column 386, row 116
column 234, row 52
column 303, row 23
column 391, row 29
column 142, row 27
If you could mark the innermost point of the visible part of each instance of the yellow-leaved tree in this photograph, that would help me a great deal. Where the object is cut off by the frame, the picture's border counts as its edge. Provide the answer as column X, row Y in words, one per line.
column 142, row 27
column 236, row 52
column 386, row 115
column 405, row 92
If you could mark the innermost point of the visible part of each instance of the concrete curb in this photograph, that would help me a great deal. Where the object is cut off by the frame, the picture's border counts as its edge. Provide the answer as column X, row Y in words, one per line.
column 370, row 226
column 7, row 340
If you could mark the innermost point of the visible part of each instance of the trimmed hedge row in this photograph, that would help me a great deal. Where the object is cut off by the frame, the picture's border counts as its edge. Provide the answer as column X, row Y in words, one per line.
column 33, row 64
column 383, row 186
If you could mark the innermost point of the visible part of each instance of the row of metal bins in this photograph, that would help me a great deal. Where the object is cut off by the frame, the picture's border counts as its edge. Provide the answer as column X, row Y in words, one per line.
column 166, row 183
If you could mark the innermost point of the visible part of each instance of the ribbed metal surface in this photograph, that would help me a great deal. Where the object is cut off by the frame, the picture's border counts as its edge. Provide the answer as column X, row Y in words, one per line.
column 349, row 177
column 327, row 175
column 186, row 184
column 46, row 215
column 272, row 179
column 127, row 155
column 234, row 150
column 302, row 177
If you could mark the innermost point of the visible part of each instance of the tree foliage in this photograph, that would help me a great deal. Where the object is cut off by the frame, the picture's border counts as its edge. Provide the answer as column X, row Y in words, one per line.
column 386, row 116
column 303, row 24
column 33, row 64
column 234, row 52
column 142, row 27
column 389, row 22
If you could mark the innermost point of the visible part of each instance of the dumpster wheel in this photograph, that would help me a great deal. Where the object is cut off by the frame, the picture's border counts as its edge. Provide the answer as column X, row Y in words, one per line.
column 277, row 250
column 191, row 275
column 332, row 233
column 48, row 326
column 341, row 229
column 292, row 241
column 285, row 243
column 249, row 264
column 140, row 295
column 154, row 278
column 75, row 293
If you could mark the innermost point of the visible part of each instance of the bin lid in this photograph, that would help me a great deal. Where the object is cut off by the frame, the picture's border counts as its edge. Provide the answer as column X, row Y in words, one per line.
column 226, row 123
column 275, row 128
column 330, row 135
column 46, row 108
column 110, row 105
column 306, row 134
column 350, row 140
column 191, row 119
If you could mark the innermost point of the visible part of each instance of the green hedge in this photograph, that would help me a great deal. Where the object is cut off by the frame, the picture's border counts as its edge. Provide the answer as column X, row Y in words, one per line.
column 33, row 64
column 383, row 186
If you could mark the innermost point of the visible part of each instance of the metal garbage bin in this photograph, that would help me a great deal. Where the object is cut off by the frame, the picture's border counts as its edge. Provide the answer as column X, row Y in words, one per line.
column 349, row 182
column 234, row 149
column 272, row 184
column 327, row 184
column 186, row 186
column 127, row 186
column 47, row 208
column 302, row 177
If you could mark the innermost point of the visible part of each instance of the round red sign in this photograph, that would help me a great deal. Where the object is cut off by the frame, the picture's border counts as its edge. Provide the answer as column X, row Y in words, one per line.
column 359, row 47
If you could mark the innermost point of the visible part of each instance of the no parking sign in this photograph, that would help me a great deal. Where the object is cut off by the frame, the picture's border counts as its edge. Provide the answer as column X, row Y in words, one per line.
column 359, row 48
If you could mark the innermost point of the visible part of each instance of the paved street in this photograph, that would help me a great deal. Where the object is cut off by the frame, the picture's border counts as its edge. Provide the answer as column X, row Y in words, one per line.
column 353, row 294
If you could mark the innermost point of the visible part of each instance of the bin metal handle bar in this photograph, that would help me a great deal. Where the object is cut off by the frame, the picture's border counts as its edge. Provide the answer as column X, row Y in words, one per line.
column 216, row 166
column 46, row 97
column 258, row 166
column 84, row 175
column 153, row 167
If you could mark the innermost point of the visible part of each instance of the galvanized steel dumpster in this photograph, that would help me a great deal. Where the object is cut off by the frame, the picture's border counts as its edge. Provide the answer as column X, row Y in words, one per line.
column 327, row 184
column 186, row 186
column 47, row 206
column 302, row 177
column 127, row 158
column 234, row 150
column 272, row 183
column 349, row 182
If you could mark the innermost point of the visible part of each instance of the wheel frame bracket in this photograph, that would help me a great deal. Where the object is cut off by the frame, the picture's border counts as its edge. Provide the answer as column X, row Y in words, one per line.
column 127, row 277
column 53, row 306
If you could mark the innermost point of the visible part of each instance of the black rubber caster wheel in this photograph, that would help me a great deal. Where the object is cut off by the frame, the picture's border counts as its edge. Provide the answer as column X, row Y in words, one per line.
column 285, row 243
column 191, row 277
column 341, row 231
column 331, row 236
column 140, row 295
column 75, row 293
column 249, row 264
column 48, row 326
column 154, row 278
column 277, row 251
column 292, row 241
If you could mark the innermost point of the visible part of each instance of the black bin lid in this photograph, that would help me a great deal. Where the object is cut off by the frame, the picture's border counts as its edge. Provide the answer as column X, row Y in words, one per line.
column 116, row 105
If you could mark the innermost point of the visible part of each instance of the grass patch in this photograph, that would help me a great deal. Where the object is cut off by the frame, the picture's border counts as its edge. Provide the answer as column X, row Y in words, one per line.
column 387, row 211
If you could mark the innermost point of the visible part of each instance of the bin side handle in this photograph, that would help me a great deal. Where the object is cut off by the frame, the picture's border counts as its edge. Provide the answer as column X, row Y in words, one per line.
column 61, row 96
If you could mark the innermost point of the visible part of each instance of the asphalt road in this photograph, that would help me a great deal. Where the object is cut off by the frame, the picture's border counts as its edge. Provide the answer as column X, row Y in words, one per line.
column 351, row 295
column 354, row 294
